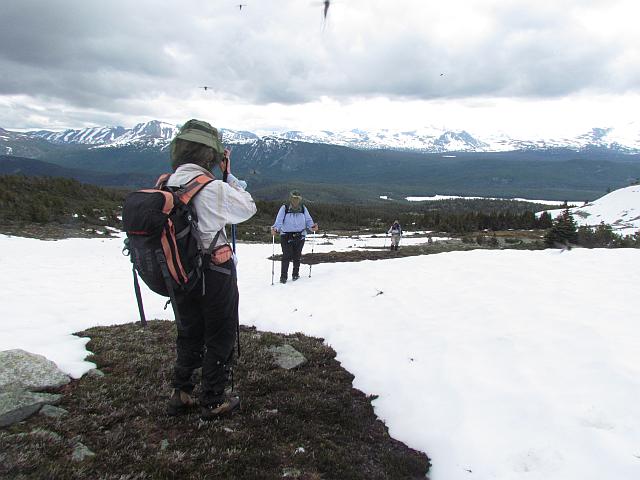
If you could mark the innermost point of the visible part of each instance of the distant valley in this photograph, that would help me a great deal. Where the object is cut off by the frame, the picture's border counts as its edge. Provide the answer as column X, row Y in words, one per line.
column 332, row 167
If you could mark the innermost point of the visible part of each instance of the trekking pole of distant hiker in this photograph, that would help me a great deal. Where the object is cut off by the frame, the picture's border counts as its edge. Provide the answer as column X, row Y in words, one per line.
column 385, row 240
column 313, row 245
column 273, row 255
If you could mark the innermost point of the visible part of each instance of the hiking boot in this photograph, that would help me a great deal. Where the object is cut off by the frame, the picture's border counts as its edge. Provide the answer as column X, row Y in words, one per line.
column 295, row 277
column 223, row 408
column 283, row 280
column 179, row 403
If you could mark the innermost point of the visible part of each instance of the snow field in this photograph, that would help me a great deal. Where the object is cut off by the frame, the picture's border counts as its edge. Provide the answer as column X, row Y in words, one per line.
column 508, row 364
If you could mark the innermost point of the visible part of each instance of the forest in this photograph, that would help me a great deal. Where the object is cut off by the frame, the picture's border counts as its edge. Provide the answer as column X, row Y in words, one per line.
column 30, row 200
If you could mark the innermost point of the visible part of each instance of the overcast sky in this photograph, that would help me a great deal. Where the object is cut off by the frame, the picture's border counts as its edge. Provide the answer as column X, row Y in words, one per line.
column 523, row 67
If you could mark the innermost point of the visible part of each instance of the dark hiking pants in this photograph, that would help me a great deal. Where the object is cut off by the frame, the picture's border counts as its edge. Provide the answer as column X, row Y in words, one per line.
column 291, row 244
column 207, row 334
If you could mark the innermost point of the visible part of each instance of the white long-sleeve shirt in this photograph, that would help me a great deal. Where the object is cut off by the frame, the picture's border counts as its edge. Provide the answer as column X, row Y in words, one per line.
column 217, row 204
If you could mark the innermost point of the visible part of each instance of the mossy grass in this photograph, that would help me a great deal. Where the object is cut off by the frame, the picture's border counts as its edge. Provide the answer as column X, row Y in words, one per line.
column 382, row 253
column 305, row 423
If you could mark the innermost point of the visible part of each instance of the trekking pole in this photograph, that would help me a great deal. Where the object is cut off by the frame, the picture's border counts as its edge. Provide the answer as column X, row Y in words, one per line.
column 225, row 175
column 234, row 229
column 385, row 241
column 233, row 239
column 273, row 255
column 313, row 245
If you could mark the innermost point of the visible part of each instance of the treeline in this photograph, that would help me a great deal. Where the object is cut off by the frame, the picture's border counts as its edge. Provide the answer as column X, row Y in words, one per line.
column 454, row 216
column 55, row 199
column 66, row 201
column 460, row 223
column 564, row 233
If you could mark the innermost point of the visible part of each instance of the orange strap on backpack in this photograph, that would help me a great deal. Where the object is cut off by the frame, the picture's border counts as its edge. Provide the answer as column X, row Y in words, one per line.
column 221, row 254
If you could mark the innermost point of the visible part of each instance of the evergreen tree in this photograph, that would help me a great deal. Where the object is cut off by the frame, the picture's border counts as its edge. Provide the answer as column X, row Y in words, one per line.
column 600, row 236
column 563, row 232
column 545, row 221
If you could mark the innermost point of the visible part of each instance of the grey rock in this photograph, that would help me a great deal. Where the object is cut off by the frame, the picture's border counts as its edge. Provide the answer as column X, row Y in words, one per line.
column 16, row 405
column 287, row 357
column 24, row 370
column 53, row 412
column 46, row 435
column 80, row 452
column 94, row 372
column 291, row 472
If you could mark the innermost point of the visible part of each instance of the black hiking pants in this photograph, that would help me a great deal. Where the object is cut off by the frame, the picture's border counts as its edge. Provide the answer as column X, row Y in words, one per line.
column 292, row 244
column 207, row 334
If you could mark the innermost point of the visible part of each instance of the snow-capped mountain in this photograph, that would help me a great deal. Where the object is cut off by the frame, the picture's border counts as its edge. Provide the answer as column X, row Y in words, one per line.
column 625, row 138
column 424, row 140
column 153, row 133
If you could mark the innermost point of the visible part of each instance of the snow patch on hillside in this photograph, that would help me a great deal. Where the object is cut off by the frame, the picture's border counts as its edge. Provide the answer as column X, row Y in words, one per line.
column 620, row 209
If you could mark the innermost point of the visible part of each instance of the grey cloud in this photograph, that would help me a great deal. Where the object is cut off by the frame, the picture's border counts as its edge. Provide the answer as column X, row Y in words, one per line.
column 102, row 55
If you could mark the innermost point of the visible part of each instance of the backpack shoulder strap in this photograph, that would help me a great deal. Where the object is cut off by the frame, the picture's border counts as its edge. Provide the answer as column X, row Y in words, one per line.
column 286, row 209
column 162, row 181
column 193, row 187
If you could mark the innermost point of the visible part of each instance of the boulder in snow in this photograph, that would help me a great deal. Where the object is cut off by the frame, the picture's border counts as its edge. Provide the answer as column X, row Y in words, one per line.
column 24, row 370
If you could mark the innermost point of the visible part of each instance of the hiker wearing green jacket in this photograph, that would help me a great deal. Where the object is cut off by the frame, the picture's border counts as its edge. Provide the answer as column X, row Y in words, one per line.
column 292, row 222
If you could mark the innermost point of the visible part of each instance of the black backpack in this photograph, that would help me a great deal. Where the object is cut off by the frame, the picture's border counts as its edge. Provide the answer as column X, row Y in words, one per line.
column 286, row 210
column 163, row 240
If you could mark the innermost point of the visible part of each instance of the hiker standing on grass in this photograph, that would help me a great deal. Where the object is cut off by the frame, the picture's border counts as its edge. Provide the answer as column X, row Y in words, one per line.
column 209, row 318
column 292, row 223
column 396, row 233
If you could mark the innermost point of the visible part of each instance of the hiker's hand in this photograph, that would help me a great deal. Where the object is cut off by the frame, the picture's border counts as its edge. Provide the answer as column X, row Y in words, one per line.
column 227, row 160
column 314, row 227
column 274, row 231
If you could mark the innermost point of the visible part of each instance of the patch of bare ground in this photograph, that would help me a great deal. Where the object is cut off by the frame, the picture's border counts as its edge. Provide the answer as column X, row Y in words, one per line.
column 387, row 254
column 306, row 423
column 54, row 231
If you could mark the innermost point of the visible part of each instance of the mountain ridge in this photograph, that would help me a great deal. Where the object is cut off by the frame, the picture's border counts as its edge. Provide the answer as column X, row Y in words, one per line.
column 132, row 157
column 158, row 134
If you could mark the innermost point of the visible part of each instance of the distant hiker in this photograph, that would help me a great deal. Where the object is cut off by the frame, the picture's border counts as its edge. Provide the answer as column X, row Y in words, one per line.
column 396, row 233
column 292, row 223
column 209, row 315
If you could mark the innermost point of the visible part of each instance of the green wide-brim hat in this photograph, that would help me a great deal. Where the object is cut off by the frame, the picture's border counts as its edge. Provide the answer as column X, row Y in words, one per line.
column 201, row 132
